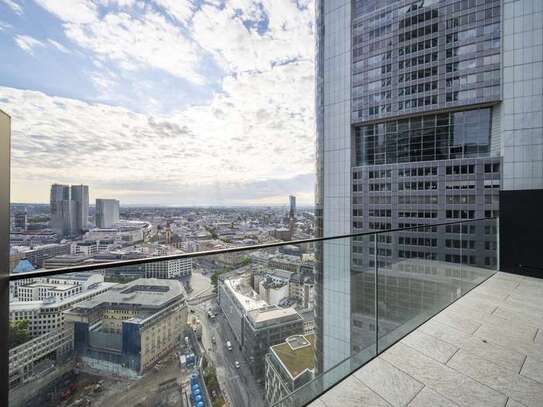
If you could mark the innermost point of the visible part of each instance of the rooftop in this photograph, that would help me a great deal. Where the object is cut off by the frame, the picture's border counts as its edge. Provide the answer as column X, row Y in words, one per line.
column 484, row 350
column 271, row 313
column 143, row 292
column 297, row 354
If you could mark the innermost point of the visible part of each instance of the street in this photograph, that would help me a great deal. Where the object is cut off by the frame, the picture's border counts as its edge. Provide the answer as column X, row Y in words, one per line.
column 239, row 384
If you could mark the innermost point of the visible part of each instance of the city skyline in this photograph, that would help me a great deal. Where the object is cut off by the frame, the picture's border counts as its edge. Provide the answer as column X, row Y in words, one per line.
column 161, row 85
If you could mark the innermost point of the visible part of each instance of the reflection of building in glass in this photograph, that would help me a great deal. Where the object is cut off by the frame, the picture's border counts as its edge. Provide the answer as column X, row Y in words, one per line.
column 289, row 365
column 129, row 328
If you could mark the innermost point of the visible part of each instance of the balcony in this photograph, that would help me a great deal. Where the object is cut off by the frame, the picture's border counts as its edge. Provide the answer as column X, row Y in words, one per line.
column 388, row 327
column 483, row 350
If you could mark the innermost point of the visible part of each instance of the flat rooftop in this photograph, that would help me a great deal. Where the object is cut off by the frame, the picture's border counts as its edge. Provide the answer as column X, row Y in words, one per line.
column 297, row 354
column 144, row 292
column 247, row 297
column 486, row 349
column 271, row 313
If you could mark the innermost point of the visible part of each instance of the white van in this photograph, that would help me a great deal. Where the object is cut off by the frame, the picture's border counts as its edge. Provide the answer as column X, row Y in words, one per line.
column 228, row 345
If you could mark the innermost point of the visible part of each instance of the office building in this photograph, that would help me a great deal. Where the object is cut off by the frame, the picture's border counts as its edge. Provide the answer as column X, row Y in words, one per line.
column 289, row 365
column 20, row 220
column 62, row 211
column 169, row 268
column 80, row 197
column 69, row 209
column 265, row 327
column 292, row 207
column 129, row 328
column 107, row 213
column 42, row 301
column 425, row 111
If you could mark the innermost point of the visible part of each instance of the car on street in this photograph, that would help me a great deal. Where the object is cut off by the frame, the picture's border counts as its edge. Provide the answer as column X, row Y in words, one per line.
column 228, row 345
column 236, row 363
column 213, row 340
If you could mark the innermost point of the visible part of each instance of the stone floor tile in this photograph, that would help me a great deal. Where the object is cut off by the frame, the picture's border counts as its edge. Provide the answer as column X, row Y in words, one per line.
column 430, row 346
column 429, row 398
column 393, row 385
column 351, row 392
column 533, row 368
column 520, row 388
column 446, row 381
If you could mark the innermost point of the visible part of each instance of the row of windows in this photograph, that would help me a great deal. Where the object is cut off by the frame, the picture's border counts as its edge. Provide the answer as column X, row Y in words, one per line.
column 472, row 33
column 469, row 79
column 418, row 46
column 413, row 254
column 473, row 17
column 419, row 32
column 420, row 18
column 380, row 212
column 489, row 91
column 420, row 60
column 460, row 169
column 456, row 258
column 472, row 63
column 417, row 186
column 418, row 214
column 460, row 243
column 420, row 74
column 420, row 227
column 379, row 225
column 459, row 214
column 472, row 48
column 417, row 241
column 421, row 87
column 420, row 172
column 417, row 102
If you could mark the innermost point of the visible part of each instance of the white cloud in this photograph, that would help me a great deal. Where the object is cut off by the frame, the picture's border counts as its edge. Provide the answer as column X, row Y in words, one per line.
column 74, row 11
column 131, row 40
column 28, row 43
column 58, row 46
column 12, row 4
column 257, row 130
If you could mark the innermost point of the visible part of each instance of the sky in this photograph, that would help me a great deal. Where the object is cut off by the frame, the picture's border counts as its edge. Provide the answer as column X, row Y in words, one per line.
column 171, row 102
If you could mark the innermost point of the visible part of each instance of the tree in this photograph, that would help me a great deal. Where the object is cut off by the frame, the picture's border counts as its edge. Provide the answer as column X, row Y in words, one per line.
column 18, row 333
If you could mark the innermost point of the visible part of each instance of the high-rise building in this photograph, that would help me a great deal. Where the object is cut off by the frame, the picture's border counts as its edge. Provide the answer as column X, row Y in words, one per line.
column 20, row 220
column 425, row 111
column 107, row 213
column 80, row 196
column 69, row 209
column 61, row 210
column 292, row 206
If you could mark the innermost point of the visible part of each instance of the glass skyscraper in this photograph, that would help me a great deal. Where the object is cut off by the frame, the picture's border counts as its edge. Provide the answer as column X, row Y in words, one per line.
column 425, row 111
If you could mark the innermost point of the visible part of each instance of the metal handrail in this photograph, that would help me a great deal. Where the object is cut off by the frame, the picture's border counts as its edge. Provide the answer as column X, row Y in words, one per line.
column 132, row 262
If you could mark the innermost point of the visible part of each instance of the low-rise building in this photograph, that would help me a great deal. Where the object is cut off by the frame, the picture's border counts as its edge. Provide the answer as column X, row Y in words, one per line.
column 46, row 313
column 169, row 268
column 265, row 327
column 129, row 328
column 289, row 365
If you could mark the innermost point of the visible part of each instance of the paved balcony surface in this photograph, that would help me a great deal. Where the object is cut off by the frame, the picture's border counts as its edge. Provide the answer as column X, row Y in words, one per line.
column 486, row 349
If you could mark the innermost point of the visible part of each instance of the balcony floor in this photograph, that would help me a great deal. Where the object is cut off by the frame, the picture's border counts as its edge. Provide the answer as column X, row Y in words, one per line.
column 486, row 349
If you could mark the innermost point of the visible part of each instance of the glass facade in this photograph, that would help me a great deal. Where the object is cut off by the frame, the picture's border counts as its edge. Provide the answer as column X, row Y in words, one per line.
column 424, row 55
column 443, row 136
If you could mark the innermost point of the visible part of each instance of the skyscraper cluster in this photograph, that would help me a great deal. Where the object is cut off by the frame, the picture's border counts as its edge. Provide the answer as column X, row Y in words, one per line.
column 69, row 208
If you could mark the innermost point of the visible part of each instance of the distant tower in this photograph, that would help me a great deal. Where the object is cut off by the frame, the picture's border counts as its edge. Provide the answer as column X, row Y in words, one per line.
column 69, row 209
column 292, row 211
column 21, row 220
column 80, row 195
column 107, row 213
column 61, row 210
